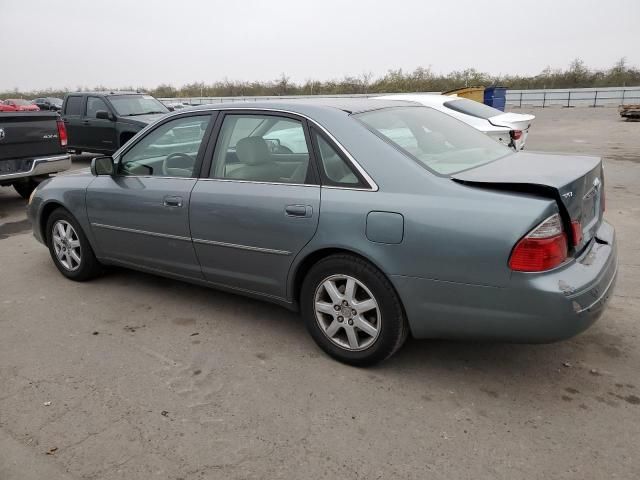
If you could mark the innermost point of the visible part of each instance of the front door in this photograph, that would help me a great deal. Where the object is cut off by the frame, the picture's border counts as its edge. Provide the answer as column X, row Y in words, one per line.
column 100, row 133
column 260, row 205
column 140, row 216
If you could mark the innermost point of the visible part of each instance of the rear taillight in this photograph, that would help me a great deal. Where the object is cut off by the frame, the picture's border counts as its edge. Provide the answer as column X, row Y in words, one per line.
column 543, row 248
column 515, row 134
column 62, row 133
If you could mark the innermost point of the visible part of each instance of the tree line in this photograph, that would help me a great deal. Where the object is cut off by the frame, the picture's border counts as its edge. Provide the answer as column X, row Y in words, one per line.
column 576, row 75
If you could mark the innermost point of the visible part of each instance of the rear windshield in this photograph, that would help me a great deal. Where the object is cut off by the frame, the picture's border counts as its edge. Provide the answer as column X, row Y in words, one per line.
column 475, row 109
column 131, row 105
column 439, row 142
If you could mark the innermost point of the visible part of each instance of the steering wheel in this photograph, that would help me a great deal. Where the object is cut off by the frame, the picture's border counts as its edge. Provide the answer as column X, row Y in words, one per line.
column 185, row 168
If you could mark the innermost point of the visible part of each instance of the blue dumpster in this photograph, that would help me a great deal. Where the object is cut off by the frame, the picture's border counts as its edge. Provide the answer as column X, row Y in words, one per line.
column 495, row 97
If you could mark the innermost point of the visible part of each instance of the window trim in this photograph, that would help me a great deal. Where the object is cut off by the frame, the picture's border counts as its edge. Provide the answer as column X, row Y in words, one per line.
column 206, row 139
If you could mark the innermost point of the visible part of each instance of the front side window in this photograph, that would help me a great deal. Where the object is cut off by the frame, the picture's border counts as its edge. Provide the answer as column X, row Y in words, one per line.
column 74, row 106
column 168, row 151
column 437, row 141
column 94, row 105
column 132, row 105
column 261, row 148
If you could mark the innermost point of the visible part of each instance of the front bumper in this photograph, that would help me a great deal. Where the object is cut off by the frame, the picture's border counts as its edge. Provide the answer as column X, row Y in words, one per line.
column 532, row 308
column 39, row 167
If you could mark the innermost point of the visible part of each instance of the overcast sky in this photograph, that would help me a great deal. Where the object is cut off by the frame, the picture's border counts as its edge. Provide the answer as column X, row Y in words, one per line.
column 120, row 43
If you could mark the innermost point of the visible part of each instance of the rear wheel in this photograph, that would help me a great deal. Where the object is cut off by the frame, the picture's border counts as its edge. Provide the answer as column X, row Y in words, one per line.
column 352, row 311
column 69, row 248
column 25, row 188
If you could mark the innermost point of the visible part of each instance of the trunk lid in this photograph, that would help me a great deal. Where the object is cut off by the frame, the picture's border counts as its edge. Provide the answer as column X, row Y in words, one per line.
column 29, row 135
column 514, row 121
column 575, row 182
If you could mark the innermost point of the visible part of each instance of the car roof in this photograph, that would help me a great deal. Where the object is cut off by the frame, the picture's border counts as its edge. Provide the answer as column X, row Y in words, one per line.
column 310, row 105
column 106, row 93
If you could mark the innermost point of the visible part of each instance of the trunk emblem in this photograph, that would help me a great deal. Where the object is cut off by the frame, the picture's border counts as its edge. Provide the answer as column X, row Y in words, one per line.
column 2, row 134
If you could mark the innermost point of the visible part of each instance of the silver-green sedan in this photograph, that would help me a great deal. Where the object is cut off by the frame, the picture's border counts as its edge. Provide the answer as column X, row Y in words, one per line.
column 374, row 218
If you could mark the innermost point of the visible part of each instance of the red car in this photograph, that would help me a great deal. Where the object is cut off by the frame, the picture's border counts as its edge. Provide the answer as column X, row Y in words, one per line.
column 18, row 105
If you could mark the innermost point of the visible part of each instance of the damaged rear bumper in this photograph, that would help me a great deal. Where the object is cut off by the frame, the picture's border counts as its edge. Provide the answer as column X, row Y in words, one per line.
column 533, row 308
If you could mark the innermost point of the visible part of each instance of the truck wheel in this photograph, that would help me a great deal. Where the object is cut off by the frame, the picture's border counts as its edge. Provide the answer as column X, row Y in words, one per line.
column 26, row 188
column 70, row 250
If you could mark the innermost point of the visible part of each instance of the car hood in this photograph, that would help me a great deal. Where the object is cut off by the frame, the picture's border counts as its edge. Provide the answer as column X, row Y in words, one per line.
column 143, row 120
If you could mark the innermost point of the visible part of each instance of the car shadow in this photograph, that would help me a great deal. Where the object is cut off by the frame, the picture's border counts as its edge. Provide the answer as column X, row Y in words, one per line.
column 417, row 358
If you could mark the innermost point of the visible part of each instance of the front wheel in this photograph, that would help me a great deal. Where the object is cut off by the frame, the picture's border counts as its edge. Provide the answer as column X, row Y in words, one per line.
column 69, row 248
column 352, row 311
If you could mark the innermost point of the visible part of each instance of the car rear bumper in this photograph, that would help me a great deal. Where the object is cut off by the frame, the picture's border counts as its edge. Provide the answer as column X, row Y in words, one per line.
column 37, row 167
column 533, row 308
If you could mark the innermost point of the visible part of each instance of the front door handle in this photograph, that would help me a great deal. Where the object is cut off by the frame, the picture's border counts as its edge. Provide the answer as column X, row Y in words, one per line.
column 171, row 201
column 298, row 210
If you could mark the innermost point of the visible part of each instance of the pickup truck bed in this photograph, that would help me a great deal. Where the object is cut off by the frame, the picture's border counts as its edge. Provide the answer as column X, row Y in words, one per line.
column 32, row 146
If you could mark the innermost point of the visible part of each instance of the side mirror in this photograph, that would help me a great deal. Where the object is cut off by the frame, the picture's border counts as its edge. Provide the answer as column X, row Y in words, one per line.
column 102, row 166
column 103, row 115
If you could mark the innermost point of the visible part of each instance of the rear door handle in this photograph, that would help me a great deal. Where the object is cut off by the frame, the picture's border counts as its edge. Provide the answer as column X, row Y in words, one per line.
column 298, row 210
column 170, row 201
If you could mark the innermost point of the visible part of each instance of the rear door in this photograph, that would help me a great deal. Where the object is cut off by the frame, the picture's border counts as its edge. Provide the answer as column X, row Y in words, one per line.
column 100, row 134
column 140, row 216
column 72, row 117
column 258, row 204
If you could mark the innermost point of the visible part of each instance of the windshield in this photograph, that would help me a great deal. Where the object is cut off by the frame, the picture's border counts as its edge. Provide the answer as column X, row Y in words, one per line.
column 436, row 140
column 470, row 107
column 130, row 105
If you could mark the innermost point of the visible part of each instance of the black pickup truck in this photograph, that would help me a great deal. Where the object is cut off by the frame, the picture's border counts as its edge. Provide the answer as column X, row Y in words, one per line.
column 33, row 145
column 104, row 121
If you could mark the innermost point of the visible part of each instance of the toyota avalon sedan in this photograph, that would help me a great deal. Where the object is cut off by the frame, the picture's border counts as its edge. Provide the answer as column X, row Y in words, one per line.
column 508, row 128
column 375, row 219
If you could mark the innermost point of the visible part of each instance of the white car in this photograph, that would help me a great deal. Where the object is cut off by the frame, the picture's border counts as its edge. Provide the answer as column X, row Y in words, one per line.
column 510, row 129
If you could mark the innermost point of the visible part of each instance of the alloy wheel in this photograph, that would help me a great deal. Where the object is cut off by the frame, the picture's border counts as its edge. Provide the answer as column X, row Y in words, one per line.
column 347, row 312
column 66, row 245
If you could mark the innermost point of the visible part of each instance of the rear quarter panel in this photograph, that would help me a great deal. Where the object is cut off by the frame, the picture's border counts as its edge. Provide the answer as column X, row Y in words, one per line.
column 454, row 233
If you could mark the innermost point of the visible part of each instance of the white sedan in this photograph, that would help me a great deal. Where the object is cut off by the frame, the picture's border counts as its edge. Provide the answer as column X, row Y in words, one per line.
column 510, row 129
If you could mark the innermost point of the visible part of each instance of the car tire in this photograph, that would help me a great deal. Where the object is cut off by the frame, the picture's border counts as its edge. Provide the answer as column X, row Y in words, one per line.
column 69, row 248
column 26, row 188
column 362, row 335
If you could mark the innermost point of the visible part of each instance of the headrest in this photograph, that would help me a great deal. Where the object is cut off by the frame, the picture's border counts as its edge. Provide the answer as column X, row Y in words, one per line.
column 252, row 151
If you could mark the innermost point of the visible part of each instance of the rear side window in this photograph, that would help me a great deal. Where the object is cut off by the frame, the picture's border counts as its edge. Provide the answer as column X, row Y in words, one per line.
column 470, row 107
column 261, row 148
column 74, row 106
column 335, row 169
